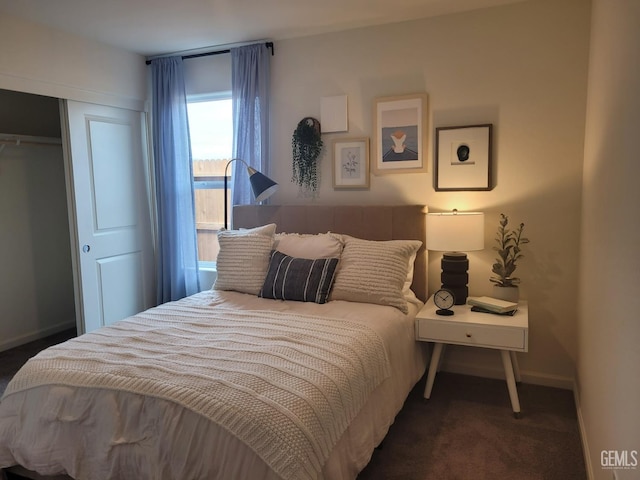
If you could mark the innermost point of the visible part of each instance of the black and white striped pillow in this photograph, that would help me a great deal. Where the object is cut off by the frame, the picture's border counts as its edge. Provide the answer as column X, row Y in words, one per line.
column 300, row 279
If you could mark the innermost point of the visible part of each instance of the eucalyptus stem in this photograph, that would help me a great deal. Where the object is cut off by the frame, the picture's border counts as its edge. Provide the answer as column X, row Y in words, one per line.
column 509, row 253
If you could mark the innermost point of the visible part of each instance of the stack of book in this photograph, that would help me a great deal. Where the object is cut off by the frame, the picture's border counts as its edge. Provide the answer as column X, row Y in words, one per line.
column 492, row 305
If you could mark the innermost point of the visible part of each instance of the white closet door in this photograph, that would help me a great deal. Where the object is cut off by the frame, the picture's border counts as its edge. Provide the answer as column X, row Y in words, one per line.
column 112, row 245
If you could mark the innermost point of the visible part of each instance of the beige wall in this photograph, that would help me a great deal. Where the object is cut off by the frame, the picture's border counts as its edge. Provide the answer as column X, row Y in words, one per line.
column 609, row 326
column 37, row 59
column 522, row 68
column 36, row 282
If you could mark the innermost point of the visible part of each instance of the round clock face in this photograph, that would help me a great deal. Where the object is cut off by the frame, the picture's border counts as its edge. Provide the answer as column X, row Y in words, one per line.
column 444, row 298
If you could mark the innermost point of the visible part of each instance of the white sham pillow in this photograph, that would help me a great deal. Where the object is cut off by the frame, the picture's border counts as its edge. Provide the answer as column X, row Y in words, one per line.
column 269, row 229
column 321, row 245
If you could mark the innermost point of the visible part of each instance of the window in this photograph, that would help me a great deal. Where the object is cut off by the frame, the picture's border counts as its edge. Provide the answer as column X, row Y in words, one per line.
column 211, row 132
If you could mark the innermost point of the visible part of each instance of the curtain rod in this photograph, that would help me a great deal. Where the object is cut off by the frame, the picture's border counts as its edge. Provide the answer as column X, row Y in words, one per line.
column 269, row 45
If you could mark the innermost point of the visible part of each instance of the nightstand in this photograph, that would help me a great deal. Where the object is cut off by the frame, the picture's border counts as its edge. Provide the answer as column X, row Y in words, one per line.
column 508, row 334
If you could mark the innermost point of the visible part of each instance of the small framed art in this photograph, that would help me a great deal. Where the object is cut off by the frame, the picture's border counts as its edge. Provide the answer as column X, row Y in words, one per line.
column 463, row 158
column 350, row 163
column 399, row 129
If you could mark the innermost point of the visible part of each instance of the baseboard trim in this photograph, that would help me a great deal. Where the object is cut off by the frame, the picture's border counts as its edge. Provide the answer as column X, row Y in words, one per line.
column 583, row 433
column 535, row 378
column 37, row 335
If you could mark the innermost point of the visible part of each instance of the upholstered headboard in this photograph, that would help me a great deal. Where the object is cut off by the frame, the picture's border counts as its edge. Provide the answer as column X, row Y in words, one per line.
column 402, row 222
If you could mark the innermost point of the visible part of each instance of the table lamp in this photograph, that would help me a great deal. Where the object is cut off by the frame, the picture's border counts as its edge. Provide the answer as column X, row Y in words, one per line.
column 261, row 185
column 454, row 233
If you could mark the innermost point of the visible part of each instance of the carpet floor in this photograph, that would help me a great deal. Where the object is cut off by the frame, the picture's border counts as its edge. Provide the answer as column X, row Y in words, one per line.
column 11, row 360
column 465, row 431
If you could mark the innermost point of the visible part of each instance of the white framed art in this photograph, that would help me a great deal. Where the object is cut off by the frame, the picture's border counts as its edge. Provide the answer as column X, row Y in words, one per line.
column 350, row 163
column 399, row 129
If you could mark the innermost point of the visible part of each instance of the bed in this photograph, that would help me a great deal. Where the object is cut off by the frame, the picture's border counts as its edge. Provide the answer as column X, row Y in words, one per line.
column 293, row 366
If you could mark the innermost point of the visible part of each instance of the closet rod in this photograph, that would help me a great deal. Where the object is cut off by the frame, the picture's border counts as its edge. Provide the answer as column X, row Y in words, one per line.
column 269, row 45
column 17, row 140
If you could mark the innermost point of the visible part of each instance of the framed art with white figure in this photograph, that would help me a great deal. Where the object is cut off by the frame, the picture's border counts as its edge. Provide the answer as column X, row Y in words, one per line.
column 400, row 140
column 463, row 158
column 350, row 163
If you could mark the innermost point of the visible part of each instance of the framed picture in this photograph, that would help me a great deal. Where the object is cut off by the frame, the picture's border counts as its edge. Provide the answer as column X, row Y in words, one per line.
column 399, row 129
column 350, row 163
column 463, row 158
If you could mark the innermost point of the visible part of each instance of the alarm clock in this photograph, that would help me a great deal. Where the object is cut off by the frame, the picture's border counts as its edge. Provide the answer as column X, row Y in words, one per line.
column 444, row 300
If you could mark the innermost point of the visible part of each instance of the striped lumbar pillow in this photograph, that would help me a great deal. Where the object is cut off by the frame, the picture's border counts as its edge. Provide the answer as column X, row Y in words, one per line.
column 300, row 279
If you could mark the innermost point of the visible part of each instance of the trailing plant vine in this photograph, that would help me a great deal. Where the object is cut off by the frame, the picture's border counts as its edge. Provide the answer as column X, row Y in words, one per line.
column 509, row 253
column 307, row 146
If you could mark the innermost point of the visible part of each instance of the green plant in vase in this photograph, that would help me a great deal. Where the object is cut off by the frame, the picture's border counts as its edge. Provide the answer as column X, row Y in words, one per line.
column 509, row 252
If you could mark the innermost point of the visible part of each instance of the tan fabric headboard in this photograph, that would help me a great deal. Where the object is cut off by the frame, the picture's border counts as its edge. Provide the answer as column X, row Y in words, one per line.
column 403, row 222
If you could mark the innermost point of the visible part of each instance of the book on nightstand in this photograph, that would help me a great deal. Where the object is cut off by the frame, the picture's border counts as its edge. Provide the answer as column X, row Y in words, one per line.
column 494, row 305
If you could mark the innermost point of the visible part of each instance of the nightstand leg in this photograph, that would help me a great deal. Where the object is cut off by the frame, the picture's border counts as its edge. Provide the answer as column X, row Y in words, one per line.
column 444, row 350
column 511, row 383
column 516, row 368
column 433, row 368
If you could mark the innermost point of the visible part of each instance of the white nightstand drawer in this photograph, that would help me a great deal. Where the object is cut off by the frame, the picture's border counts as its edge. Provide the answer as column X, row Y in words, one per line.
column 471, row 334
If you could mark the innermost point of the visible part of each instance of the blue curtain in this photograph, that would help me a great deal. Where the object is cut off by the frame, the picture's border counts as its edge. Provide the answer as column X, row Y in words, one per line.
column 250, row 94
column 177, row 248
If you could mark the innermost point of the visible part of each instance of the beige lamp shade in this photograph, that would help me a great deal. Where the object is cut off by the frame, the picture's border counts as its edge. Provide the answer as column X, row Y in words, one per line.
column 455, row 231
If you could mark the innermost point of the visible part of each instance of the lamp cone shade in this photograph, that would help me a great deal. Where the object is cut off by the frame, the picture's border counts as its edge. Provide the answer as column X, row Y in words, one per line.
column 263, row 187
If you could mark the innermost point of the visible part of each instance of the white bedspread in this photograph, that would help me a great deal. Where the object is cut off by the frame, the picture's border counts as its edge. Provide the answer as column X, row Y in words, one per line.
column 299, row 379
column 286, row 384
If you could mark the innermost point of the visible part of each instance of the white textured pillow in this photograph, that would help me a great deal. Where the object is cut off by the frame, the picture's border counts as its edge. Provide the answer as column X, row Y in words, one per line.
column 322, row 245
column 243, row 259
column 374, row 271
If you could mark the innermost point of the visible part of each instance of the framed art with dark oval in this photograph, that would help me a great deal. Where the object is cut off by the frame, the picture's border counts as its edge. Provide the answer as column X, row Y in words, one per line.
column 350, row 163
column 463, row 158
column 399, row 129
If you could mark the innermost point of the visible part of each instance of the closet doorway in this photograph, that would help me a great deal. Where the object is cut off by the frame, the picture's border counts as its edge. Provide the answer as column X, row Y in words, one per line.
column 36, row 276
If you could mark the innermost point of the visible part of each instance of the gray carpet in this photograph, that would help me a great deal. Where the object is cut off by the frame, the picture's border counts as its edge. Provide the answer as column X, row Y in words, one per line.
column 11, row 360
column 465, row 431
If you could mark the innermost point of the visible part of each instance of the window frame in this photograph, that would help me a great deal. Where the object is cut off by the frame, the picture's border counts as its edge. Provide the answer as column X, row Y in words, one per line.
column 209, row 183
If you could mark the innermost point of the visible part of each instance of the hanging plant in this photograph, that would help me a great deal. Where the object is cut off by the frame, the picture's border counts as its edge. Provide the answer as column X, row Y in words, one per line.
column 307, row 145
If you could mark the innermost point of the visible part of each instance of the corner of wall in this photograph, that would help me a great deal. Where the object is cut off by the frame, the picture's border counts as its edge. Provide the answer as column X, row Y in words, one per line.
column 582, row 428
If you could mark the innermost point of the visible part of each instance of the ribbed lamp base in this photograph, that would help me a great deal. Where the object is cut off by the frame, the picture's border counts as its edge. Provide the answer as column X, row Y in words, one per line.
column 455, row 276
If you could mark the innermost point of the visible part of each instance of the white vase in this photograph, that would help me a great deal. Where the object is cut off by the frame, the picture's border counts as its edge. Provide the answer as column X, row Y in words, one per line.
column 509, row 294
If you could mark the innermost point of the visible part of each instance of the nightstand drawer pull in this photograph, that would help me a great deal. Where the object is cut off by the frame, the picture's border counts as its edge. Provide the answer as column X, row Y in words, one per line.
column 468, row 335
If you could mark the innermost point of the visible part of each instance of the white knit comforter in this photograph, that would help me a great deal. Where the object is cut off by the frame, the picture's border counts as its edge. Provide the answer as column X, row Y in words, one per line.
column 286, row 384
